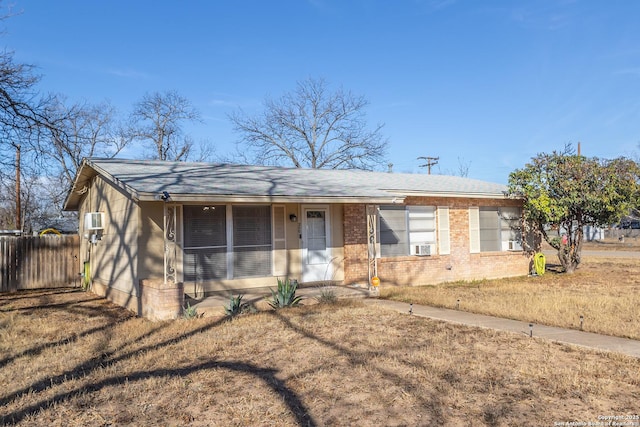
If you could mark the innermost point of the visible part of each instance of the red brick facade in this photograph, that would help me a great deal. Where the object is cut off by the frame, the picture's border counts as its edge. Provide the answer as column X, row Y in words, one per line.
column 460, row 264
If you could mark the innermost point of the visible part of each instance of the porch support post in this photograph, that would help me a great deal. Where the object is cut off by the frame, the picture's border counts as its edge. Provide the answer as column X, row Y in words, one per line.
column 169, row 243
column 371, row 242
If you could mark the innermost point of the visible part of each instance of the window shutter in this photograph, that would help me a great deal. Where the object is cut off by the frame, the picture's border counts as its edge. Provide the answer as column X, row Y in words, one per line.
column 279, row 241
column 474, row 230
column 444, row 243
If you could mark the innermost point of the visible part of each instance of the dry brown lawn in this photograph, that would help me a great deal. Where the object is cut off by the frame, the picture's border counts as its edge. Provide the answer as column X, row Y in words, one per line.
column 70, row 358
column 611, row 244
column 605, row 291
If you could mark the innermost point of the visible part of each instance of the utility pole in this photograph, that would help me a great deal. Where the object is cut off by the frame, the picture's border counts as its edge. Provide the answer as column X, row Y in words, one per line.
column 430, row 161
column 18, row 202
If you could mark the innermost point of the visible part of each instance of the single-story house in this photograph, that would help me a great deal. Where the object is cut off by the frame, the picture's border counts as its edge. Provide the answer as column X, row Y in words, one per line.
column 203, row 227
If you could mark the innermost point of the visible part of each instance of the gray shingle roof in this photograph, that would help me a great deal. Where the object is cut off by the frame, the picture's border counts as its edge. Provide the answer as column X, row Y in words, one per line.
column 145, row 179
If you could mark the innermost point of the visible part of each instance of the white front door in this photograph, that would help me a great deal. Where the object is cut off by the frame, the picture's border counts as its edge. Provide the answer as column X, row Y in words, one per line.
column 316, row 244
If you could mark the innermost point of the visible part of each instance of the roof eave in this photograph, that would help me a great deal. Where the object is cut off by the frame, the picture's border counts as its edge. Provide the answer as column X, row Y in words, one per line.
column 88, row 170
column 461, row 195
column 217, row 198
column 79, row 186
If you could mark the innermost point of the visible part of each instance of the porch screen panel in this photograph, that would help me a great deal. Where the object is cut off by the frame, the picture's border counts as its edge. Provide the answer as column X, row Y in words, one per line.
column 279, row 241
column 205, row 243
column 394, row 239
column 252, row 242
column 205, row 264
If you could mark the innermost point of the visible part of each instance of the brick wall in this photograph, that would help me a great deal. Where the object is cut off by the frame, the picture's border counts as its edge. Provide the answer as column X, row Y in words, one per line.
column 160, row 301
column 356, row 264
column 460, row 264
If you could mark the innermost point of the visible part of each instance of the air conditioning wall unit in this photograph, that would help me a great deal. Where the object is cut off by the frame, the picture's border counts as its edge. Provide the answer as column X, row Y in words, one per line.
column 94, row 221
column 422, row 250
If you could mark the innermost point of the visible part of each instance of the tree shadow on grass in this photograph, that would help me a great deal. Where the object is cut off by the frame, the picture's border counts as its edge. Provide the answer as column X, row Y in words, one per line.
column 34, row 351
column 31, row 309
column 267, row 376
column 432, row 402
column 112, row 315
column 108, row 358
column 6, row 299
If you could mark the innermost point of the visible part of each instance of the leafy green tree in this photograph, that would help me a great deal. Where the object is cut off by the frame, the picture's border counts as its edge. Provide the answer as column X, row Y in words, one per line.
column 565, row 192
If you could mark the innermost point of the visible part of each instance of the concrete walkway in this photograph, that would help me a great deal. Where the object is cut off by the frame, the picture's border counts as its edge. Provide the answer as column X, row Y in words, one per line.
column 566, row 336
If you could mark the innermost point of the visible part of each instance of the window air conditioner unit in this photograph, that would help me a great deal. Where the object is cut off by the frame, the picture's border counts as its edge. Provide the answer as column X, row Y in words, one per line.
column 94, row 221
column 423, row 250
column 515, row 245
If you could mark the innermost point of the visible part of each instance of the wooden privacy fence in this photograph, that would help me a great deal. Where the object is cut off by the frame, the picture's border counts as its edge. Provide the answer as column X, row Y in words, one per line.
column 33, row 262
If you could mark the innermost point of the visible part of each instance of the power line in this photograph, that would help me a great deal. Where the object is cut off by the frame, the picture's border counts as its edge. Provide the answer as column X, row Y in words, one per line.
column 430, row 161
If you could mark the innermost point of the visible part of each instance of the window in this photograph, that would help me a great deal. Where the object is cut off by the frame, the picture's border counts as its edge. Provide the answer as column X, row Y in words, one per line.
column 394, row 240
column 498, row 229
column 407, row 230
column 510, row 228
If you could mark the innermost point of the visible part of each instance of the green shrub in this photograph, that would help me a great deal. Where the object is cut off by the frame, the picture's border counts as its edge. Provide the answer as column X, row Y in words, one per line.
column 236, row 306
column 286, row 294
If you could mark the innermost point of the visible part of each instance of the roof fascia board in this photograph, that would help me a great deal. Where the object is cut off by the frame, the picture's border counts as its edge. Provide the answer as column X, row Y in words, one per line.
column 204, row 198
column 460, row 195
column 82, row 177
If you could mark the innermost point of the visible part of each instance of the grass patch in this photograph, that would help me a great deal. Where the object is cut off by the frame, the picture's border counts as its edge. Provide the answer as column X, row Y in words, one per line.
column 70, row 358
column 606, row 291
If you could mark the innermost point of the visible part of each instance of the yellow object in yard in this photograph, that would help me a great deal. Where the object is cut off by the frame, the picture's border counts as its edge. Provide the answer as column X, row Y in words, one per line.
column 375, row 281
column 539, row 263
column 50, row 230
column 86, row 275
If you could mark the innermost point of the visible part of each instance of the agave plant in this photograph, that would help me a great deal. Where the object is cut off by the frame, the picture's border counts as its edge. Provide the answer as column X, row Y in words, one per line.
column 286, row 294
column 190, row 312
column 236, row 306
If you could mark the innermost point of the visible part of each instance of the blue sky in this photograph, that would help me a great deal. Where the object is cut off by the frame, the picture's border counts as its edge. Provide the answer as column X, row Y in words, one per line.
column 483, row 83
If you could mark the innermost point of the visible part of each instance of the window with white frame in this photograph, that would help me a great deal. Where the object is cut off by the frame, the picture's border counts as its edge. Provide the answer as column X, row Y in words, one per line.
column 407, row 230
column 499, row 229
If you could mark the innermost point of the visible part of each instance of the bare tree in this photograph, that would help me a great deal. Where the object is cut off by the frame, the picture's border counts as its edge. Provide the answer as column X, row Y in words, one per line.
column 23, row 116
column 311, row 127
column 463, row 167
column 83, row 130
column 158, row 118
